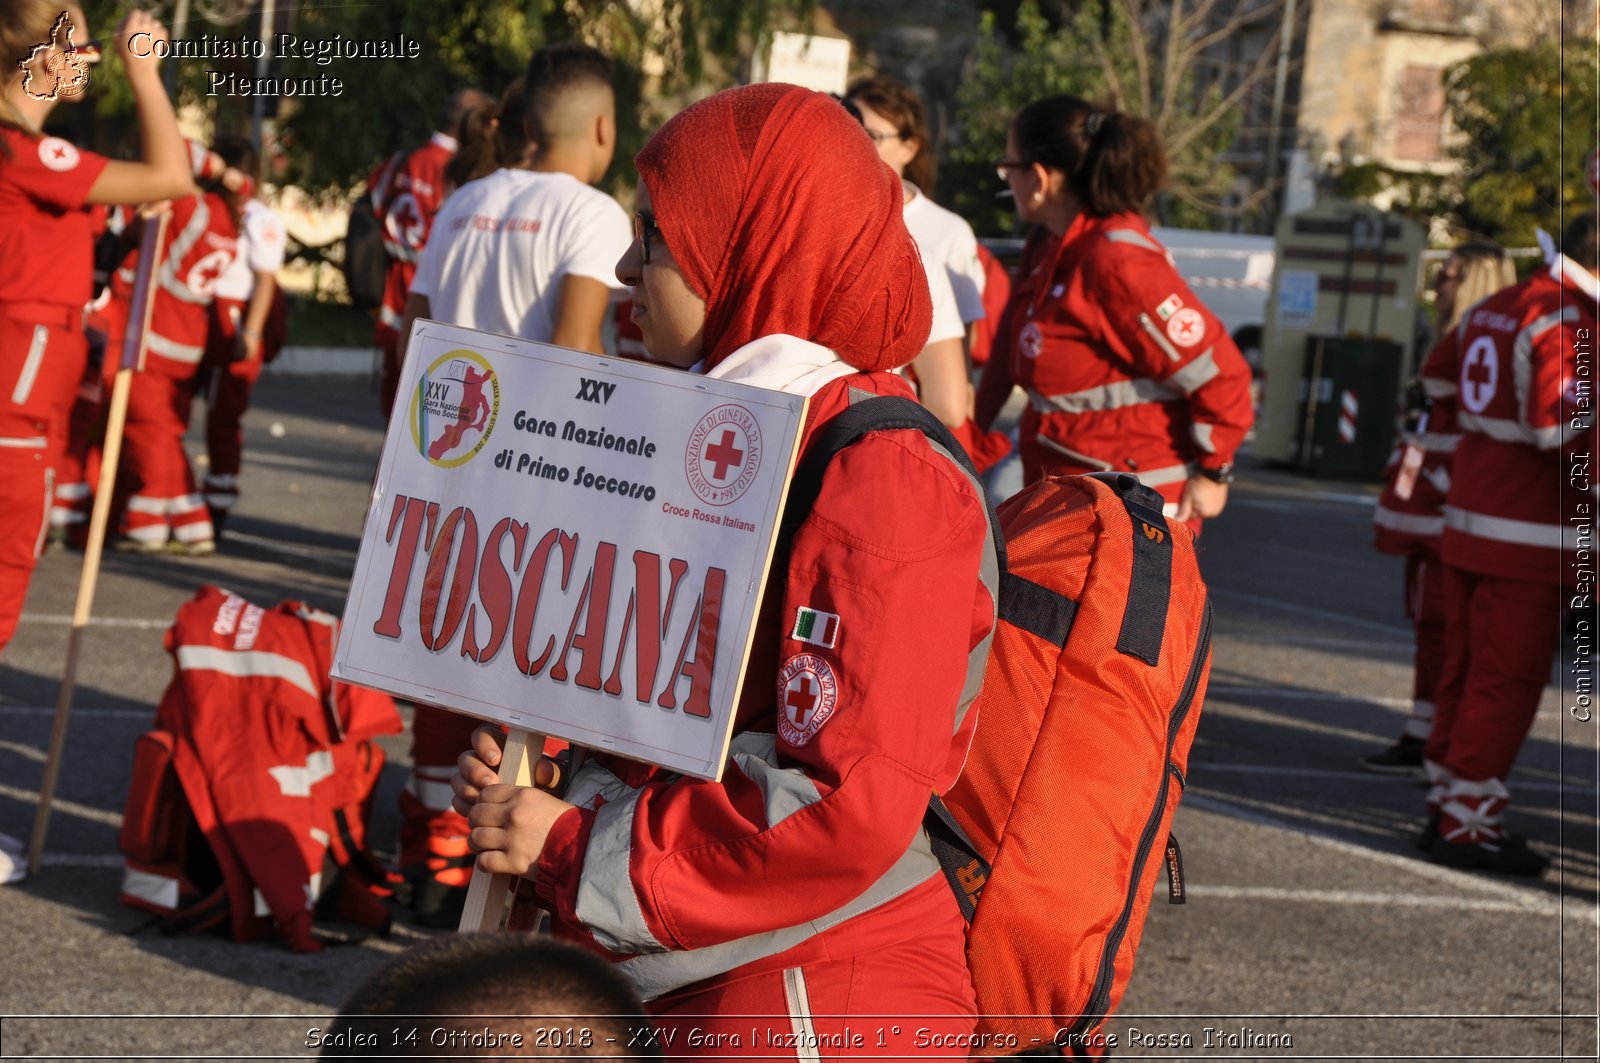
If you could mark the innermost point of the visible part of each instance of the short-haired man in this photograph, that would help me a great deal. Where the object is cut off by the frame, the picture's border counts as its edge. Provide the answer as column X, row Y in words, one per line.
column 529, row 252
column 1515, row 373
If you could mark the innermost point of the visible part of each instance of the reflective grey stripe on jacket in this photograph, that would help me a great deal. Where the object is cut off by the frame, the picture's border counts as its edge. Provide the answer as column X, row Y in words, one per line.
column 198, row 223
column 658, row 973
column 1568, row 428
column 1506, row 530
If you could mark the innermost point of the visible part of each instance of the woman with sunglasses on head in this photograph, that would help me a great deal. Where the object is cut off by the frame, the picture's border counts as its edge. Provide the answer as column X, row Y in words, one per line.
column 1409, row 518
column 48, row 188
column 798, row 896
column 1126, row 371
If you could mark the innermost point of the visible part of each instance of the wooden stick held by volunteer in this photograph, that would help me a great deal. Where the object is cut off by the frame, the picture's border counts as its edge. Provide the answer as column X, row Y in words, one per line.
column 1125, row 369
column 47, row 187
column 800, row 889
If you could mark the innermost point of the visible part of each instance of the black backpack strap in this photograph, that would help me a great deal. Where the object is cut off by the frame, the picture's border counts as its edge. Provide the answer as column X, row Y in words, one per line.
column 965, row 870
column 1144, row 622
column 879, row 413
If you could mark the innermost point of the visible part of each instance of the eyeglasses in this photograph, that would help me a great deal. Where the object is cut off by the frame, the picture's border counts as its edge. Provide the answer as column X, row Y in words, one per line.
column 1002, row 165
column 878, row 136
column 645, row 230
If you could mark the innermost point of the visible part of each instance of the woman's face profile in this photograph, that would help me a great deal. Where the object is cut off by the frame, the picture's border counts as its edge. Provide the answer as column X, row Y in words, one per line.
column 668, row 313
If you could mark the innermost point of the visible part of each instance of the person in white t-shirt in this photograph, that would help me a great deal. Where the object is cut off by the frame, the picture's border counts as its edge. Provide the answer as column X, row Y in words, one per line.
column 530, row 251
column 897, row 124
column 248, row 318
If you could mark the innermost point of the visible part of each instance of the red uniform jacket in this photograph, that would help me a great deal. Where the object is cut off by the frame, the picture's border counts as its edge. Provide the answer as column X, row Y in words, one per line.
column 1415, row 523
column 1518, row 375
column 841, row 737
column 267, row 747
column 406, row 192
column 200, row 244
column 1125, row 369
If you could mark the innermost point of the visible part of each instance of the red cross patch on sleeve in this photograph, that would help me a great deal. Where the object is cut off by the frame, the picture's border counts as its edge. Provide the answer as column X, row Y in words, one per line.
column 807, row 693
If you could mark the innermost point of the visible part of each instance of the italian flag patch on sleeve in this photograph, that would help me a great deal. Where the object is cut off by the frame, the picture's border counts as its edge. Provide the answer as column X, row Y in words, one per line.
column 816, row 627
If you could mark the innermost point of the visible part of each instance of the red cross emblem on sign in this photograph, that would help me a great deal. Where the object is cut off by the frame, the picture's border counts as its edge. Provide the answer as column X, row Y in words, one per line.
column 724, row 455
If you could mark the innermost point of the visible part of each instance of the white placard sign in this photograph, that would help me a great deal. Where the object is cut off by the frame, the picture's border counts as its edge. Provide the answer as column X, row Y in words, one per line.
column 570, row 545
column 819, row 63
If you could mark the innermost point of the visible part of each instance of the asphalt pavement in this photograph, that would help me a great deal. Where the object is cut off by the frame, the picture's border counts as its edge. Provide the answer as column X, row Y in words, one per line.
column 1312, row 929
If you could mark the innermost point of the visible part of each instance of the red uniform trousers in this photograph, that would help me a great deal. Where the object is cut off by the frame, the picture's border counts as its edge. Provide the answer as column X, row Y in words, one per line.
column 42, row 355
column 1425, row 606
column 229, row 384
column 163, row 500
column 433, row 838
column 896, row 987
column 1500, row 637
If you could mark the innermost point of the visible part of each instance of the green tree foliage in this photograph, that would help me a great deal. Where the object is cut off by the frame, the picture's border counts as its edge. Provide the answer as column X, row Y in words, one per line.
column 1528, row 122
column 675, row 44
column 673, row 48
column 1143, row 57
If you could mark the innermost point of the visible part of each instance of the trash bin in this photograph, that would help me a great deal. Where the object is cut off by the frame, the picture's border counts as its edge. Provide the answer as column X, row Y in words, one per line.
column 1348, row 391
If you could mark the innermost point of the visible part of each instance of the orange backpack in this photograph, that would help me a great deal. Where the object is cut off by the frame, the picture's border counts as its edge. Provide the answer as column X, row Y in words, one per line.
column 1055, row 833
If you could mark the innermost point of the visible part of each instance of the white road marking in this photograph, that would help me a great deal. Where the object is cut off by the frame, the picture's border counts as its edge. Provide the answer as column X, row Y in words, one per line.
column 1268, row 639
column 1532, row 901
column 1354, row 775
column 25, row 752
column 63, row 620
column 1262, row 600
column 82, row 859
column 71, row 808
column 1242, row 690
column 325, row 554
column 1366, row 898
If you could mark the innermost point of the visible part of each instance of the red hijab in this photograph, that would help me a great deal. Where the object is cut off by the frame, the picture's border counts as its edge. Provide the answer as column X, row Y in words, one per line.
column 783, row 219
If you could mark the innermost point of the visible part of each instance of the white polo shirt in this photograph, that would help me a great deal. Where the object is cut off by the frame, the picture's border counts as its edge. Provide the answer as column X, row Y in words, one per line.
column 502, row 244
column 947, row 241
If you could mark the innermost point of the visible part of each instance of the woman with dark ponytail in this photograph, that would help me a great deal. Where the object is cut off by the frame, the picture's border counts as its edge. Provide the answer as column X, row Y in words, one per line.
column 1125, row 369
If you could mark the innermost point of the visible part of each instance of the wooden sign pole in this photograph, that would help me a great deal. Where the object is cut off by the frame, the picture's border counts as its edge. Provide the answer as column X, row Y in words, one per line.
column 132, row 359
column 489, row 896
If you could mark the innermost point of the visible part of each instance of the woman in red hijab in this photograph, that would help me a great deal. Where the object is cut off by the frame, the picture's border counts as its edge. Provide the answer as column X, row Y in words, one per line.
column 795, row 903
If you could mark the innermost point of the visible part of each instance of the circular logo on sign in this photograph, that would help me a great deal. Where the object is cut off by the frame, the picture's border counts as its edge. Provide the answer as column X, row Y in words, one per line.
column 1030, row 340
column 723, row 455
column 57, row 154
column 454, row 408
column 1187, row 327
column 1480, row 374
column 807, row 694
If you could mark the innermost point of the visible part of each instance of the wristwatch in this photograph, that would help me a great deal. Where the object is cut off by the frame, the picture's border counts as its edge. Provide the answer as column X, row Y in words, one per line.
column 1221, row 475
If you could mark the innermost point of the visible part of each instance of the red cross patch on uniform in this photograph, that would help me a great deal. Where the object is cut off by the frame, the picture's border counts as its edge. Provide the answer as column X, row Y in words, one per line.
column 807, row 693
column 58, row 155
column 1187, row 327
